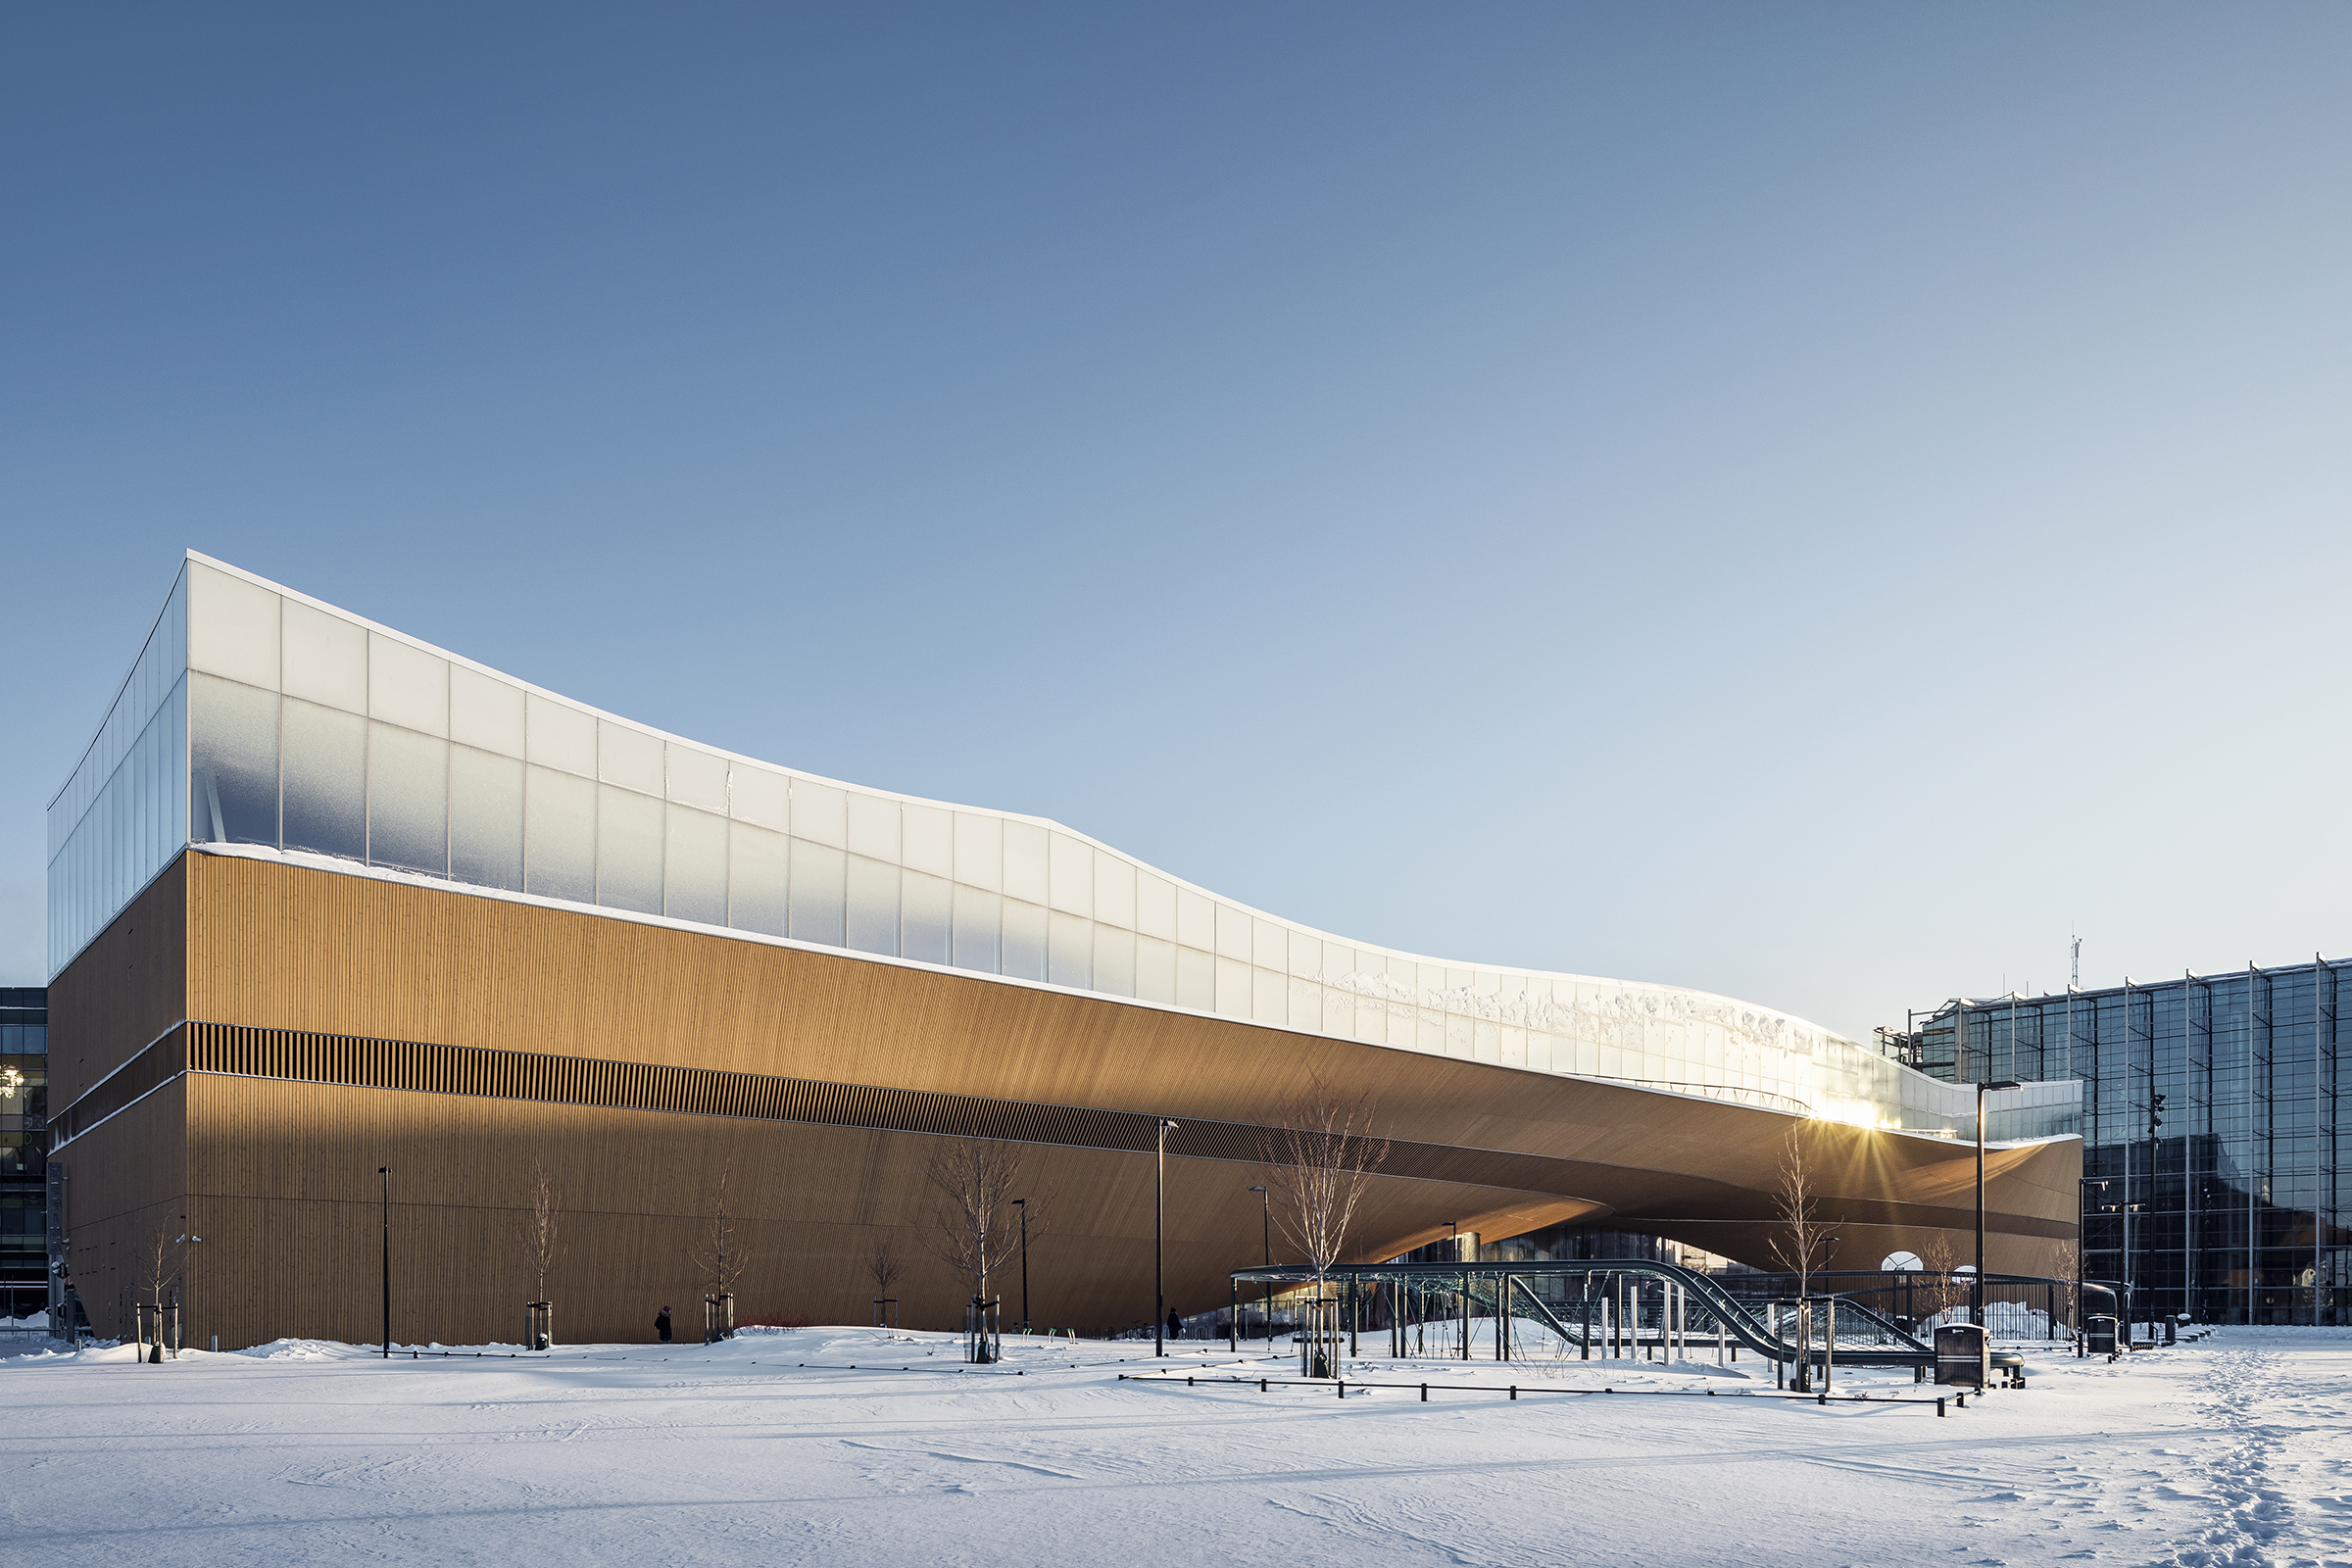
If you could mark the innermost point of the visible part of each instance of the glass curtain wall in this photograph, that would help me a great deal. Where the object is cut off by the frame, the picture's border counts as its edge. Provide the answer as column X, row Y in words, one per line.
column 2212, row 1175
column 261, row 718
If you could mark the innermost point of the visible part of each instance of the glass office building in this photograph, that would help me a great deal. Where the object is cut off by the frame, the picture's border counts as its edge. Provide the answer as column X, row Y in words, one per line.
column 24, row 1249
column 2213, row 1183
column 257, row 717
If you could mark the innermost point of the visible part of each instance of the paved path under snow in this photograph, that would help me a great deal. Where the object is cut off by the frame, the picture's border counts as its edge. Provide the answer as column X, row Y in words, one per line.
column 2233, row 1451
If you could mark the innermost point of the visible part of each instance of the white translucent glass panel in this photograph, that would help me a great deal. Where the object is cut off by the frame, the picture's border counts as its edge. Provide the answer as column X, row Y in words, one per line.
column 759, row 879
column 1070, row 875
column 1371, row 1020
column 1232, row 934
column 819, row 813
column 1154, row 969
column 1304, row 1007
column 407, row 686
column 323, row 761
column 697, row 778
column 874, row 828
column 558, row 737
column 819, row 898
column 128, row 827
column 485, row 713
column 926, row 914
column 979, row 852
column 1025, row 862
column 1069, row 949
column 628, row 758
column 324, row 657
column 760, row 797
column 1023, row 949
column 1114, row 891
column 873, row 905
column 559, row 835
column 1155, row 906
column 974, row 944
column 232, row 763
column 1233, row 988
column 1195, row 920
column 694, row 867
column 1305, row 954
column 927, row 840
column 1269, row 945
column 232, row 627
column 1338, row 1011
column 485, row 819
column 1114, row 961
column 408, row 799
column 628, row 851
column 1196, row 979
column 1460, row 1034
column 1269, row 996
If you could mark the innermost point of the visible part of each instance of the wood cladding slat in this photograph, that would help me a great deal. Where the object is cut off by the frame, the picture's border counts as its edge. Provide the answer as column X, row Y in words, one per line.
column 240, row 1051
column 127, row 986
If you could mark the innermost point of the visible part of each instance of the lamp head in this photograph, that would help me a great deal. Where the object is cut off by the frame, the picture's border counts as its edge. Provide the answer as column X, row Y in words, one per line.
column 2004, row 1083
column 1257, row 1189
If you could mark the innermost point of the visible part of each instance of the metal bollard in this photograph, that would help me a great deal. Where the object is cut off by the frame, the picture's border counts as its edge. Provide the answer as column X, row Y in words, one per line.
column 1514, row 1391
column 1939, row 1408
column 1342, row 1388
column 1424, row 1393
column 1261, row 1385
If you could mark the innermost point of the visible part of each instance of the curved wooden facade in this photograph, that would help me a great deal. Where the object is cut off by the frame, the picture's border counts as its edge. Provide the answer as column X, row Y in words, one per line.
column 251, row 1039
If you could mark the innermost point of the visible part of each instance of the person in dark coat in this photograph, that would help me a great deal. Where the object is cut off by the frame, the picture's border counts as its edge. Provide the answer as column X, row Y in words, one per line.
column 661, row 1324
column 1175, row 1325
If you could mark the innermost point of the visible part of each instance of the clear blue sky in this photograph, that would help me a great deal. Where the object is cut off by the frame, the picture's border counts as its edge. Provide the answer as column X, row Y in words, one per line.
column 1802, row 501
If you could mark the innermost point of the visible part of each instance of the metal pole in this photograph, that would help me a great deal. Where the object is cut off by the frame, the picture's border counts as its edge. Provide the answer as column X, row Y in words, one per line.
column 1160, row 1247
column 1977, row 1285
column 385, row 1171
column 1022, row 1204
column 1265, row 1220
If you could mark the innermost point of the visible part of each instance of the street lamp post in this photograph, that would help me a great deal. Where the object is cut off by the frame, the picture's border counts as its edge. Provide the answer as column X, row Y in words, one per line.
column 1265, row 1220
column 1977, row 1286
column 385, row 1171
column 1022, row 1204
column 1160, row 1246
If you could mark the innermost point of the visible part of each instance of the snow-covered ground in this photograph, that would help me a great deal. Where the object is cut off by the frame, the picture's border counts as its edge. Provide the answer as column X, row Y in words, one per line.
column 843, row 1446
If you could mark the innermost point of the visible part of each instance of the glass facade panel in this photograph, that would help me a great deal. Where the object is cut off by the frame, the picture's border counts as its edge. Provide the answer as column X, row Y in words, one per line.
column 874, row 920
column 1155, row 906
column 326, row 658
column 1070, row 950
column 819, row 893
column 485, row 713
column 232, row 627
column 979, row 854
column 485, row 819
column 407, row 686
column 629, row 831
column 407, row 796
column 1269, row 996
column 1154, row 969
column 975, row 937
column 696, row 778
column 628, row 758
column 232, row 739
column 759, row 877
column 1023, row 949
column 928, row 840
column 1114, row 961
column 1070, row 875
column 1195, row 920
column 1114, row 891
column 1232, row 934
column 560, row 737
column 925, row 914
column 1196, row 979
column 1025, row 862
column 760, row 797
column 559, row 835
column 873, row 827
column 325, row 769
column 694, row 867
column 819, row 813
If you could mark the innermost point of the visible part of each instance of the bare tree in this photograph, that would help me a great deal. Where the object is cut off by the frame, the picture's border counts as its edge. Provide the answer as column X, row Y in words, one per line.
column 884, row 1265
column 720, row 1255
column 1801, row 1243
column 1938, row 1255
column 2068, row 1265
column 157, row 1271
column 1319, row 1163
column 973, row 1227
column 535, row 1230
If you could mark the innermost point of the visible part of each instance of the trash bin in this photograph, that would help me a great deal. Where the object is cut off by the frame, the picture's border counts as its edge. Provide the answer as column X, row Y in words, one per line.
column 1963, row 1355
column 2099, row 1330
